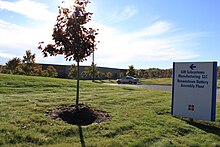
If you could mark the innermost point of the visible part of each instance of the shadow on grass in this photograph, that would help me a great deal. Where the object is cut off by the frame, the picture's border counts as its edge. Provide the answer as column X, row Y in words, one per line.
column 99, row 81
column 81, row 137
column 104, row 81
column 129, row 89
column 205, row 127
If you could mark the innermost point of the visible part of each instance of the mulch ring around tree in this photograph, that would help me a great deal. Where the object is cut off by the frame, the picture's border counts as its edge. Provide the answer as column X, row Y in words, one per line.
column 85, row 115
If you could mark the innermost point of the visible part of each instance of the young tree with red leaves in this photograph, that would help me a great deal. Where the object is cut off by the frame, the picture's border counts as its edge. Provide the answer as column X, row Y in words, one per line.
column 72, row 39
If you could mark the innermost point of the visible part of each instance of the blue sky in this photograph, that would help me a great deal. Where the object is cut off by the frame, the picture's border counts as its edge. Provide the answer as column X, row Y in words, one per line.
column 143, row 33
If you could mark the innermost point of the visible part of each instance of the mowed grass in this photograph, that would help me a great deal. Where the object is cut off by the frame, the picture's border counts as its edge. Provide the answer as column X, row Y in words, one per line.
column 162, row 81
column 153, row 81
column 140, row 117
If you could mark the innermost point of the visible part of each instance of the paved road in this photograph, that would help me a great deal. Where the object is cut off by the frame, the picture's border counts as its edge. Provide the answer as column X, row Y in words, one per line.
column 160, row 87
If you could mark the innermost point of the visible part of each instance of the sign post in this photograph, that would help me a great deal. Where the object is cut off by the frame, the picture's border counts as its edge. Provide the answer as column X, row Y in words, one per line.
column 194, row 90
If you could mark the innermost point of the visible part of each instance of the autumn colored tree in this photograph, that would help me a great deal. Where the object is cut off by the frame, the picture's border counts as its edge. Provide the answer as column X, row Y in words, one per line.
column 101, row 75
column 140, row 73
column 109, row 75
column 52, row 72
column 45, row 73
column 71, row 38
column 28, row 67
column 37, row 70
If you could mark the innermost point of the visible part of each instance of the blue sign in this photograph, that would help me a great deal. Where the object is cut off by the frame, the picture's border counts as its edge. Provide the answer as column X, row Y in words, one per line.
column 194, row 90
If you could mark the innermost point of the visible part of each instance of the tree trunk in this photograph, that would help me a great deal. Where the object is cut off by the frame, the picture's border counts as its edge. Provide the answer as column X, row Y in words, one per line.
column 93, row 67
column 77, row 86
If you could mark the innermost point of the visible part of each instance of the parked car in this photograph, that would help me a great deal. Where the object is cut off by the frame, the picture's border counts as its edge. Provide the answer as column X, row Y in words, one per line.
column 128, row 79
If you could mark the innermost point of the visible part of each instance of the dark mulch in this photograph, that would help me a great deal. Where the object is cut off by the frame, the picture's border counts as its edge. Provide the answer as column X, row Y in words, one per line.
column 82, row 116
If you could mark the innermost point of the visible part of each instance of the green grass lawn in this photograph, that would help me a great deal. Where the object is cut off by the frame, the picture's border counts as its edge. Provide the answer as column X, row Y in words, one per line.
column 164, row 81
column 140, row 117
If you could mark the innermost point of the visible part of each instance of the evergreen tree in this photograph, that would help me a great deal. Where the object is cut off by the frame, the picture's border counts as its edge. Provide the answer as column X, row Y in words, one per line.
column 29, row 63
column 12, row 64
column 131, row 71
column 73, row 72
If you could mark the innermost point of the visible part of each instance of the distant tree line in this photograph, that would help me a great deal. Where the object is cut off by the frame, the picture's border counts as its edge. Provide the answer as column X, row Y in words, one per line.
column 89, row 72
column 151, row 73
column 140, row 73
column 147, row 73
column 27, row 66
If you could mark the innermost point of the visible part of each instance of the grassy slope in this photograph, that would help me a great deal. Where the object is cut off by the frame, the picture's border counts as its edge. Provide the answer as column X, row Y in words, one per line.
column 140, row 117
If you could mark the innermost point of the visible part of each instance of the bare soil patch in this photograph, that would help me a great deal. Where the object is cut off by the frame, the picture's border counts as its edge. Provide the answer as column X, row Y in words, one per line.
column 82, row 116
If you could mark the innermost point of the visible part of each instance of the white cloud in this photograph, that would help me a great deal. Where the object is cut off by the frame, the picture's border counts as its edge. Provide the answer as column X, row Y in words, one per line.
column 145, row 45
column 156, row 29
column 15, row 35
column 29, row 8
column 122, row 15
column 157, row 42
column 6, row 55
column 15, row 39
column 127, row 13
column 115, row 48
